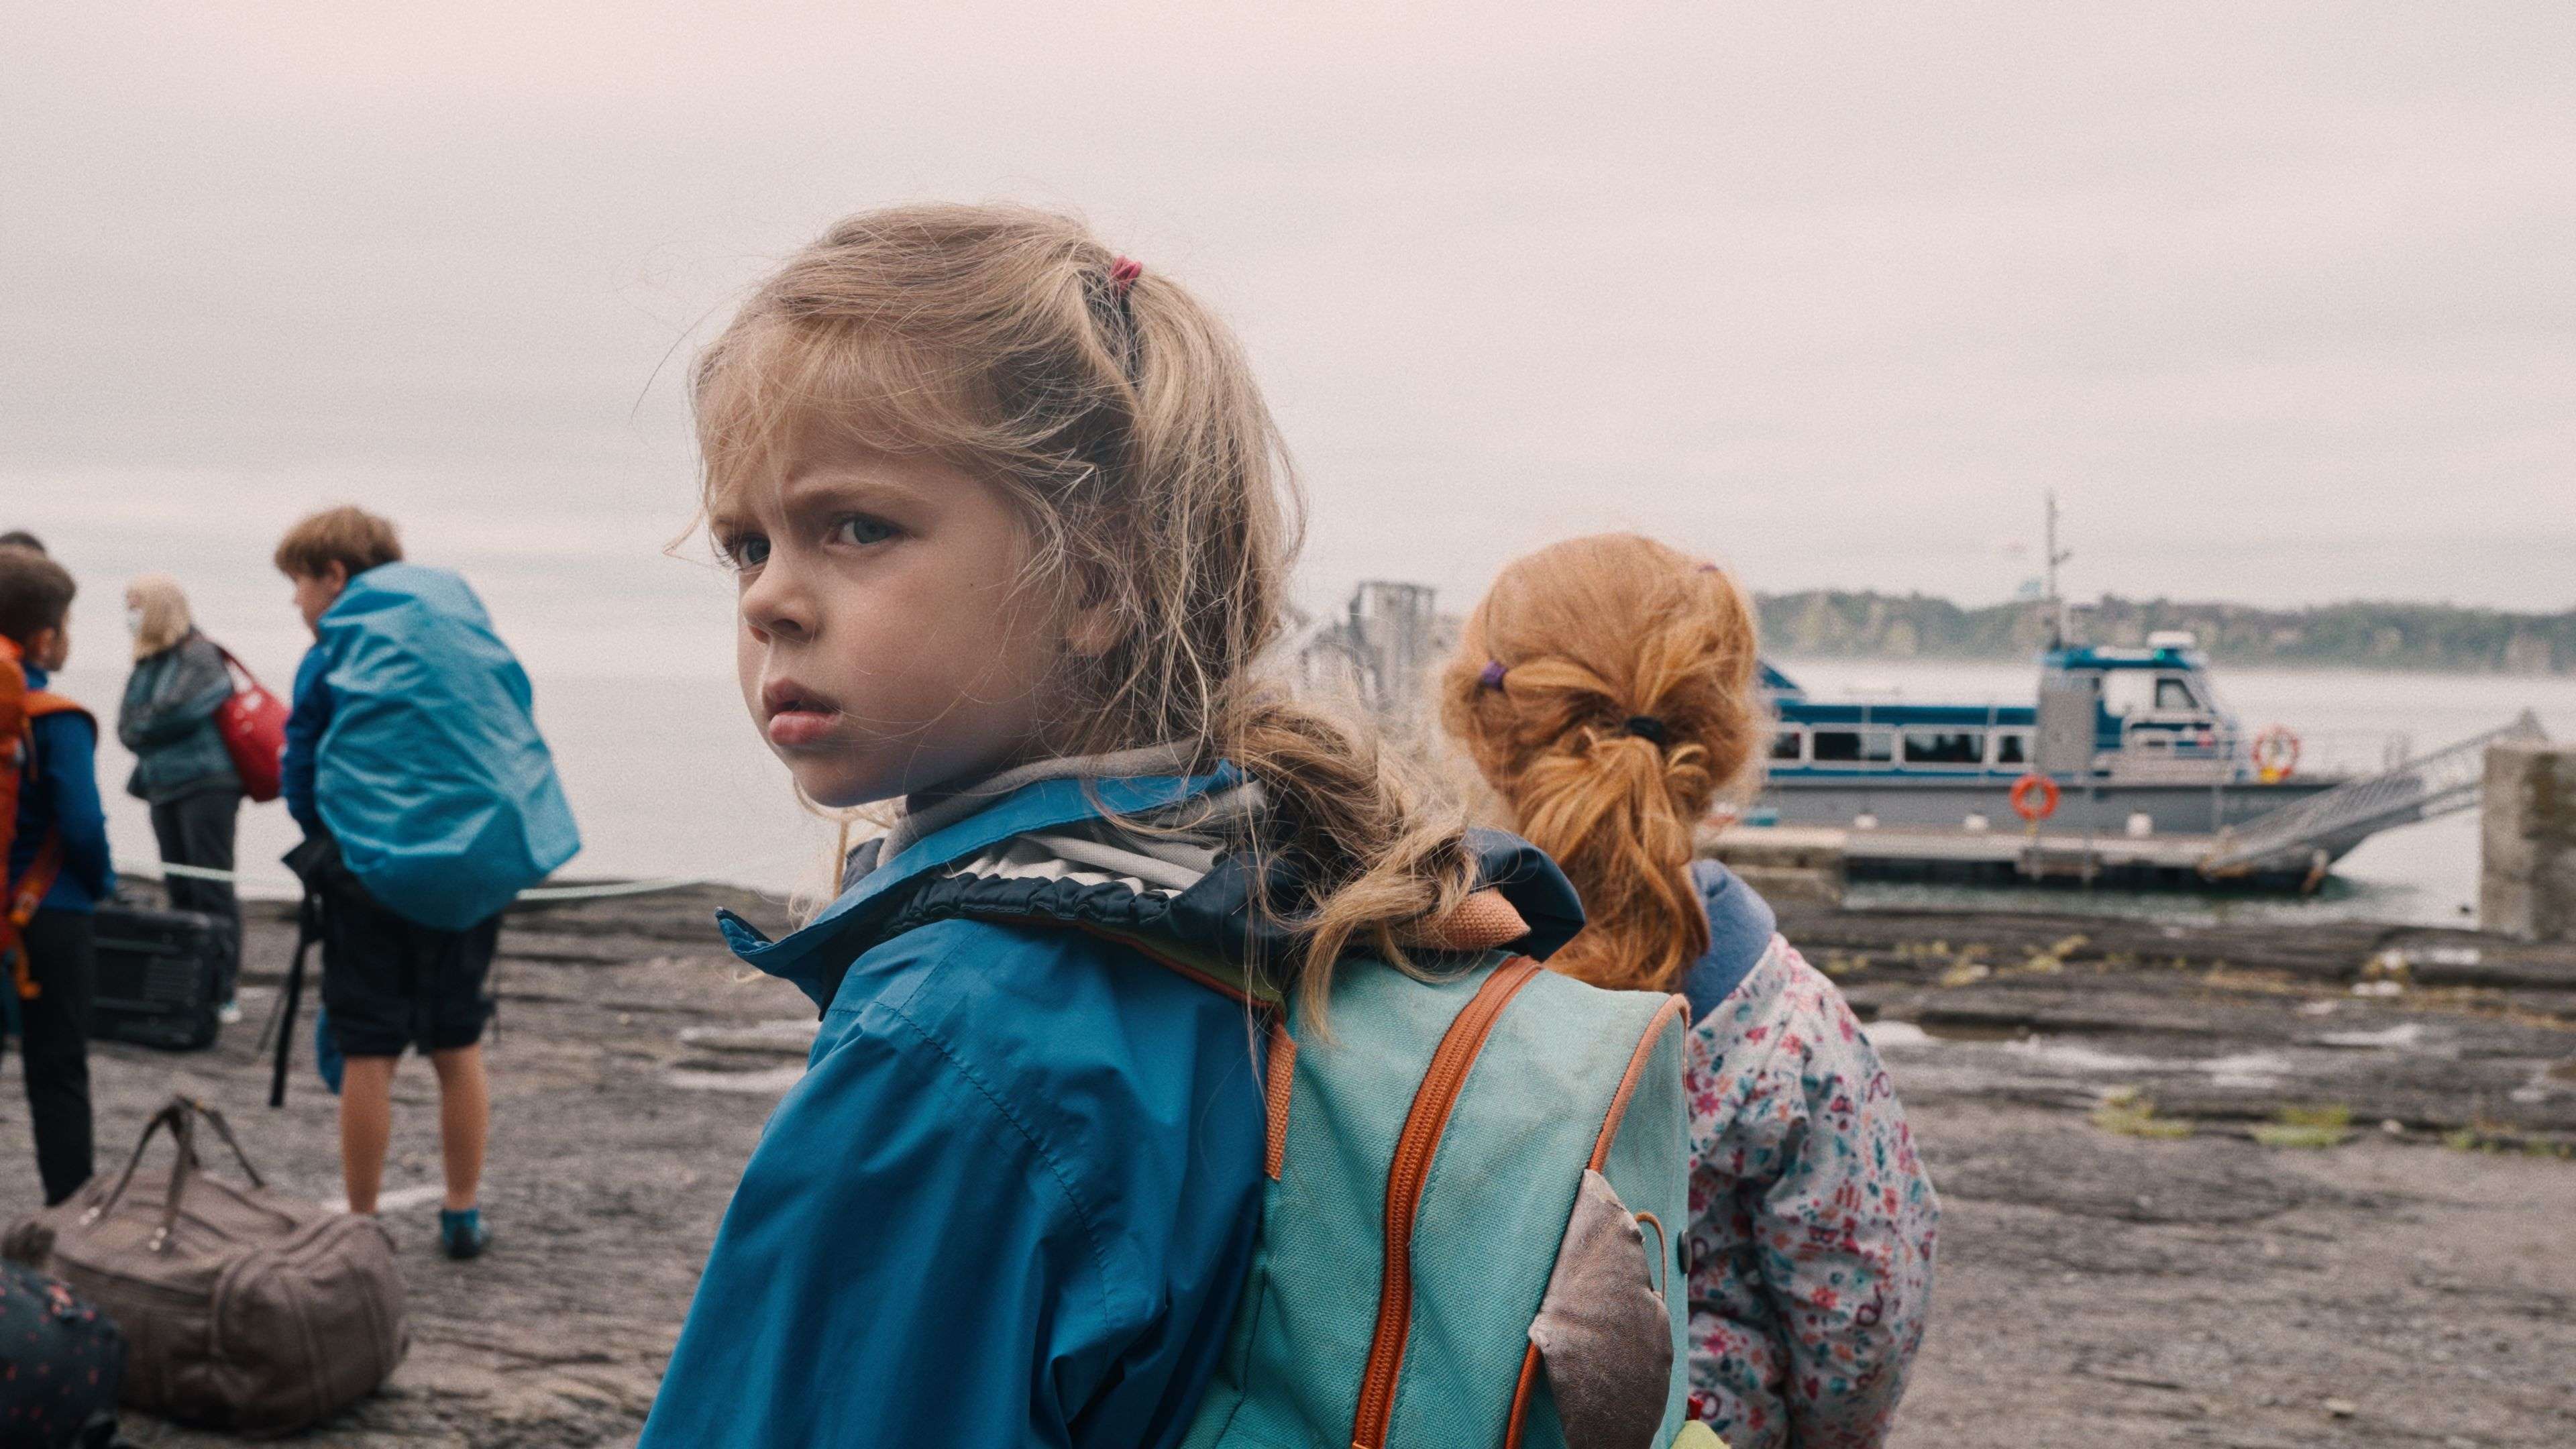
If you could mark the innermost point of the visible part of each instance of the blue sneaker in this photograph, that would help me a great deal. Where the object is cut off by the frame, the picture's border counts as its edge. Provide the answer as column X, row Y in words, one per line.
column 463, row 1234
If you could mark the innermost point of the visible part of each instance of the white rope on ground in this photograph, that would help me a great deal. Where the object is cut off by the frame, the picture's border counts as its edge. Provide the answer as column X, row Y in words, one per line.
column 155, row 870
column 615, row 888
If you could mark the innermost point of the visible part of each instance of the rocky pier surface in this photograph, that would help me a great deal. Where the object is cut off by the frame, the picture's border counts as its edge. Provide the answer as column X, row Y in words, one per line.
column 2237, row 1185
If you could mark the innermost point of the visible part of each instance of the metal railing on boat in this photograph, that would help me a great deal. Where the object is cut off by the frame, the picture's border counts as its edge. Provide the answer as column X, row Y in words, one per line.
column 2420, row 789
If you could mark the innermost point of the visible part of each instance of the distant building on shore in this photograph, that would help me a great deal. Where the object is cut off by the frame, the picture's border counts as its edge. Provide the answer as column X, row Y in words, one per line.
column 1830, row 623
column 1379, row 650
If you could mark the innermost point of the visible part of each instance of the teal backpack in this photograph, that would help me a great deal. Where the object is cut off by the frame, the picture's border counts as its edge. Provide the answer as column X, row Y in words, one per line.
column 1470, row 1235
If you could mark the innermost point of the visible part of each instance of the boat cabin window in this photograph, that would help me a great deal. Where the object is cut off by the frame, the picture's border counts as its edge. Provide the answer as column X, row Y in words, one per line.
column 1855, row 746
column 2173, row 693
column 1787, row 745
column 2012, row 747
column 2127, row 692
column 1945, row 747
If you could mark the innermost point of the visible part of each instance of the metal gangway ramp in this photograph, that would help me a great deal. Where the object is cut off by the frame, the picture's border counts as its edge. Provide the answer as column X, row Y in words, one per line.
column 2326, row 824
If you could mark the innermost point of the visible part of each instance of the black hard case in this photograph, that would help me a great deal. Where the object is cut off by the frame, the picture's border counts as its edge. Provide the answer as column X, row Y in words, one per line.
column 156, row 977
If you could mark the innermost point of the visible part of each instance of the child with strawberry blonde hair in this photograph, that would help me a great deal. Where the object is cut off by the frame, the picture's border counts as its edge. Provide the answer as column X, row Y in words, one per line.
column 1605, row 688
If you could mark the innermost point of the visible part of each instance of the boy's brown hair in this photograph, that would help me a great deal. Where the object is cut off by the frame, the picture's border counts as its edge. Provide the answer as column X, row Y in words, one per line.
column 35, row 593
column 351, row 537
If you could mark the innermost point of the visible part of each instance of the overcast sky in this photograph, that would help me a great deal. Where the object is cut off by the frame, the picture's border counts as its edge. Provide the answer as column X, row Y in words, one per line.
column 2279, row 297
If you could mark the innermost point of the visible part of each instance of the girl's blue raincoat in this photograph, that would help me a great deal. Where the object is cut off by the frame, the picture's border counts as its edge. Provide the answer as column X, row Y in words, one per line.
column 1013, row 1200
column 414, row 741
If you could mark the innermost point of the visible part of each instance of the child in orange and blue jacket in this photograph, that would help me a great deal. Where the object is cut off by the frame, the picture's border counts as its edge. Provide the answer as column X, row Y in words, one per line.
column 59, row 867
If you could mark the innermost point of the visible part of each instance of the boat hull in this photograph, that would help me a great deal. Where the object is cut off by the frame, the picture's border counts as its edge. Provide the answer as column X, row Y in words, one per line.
column 2103, row 807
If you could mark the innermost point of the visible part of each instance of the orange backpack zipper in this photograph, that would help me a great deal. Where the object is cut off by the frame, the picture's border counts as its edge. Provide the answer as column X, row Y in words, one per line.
column 1414, row 1148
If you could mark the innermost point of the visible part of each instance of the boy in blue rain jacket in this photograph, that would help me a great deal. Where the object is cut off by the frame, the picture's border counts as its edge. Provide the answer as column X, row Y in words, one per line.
column 428, row 800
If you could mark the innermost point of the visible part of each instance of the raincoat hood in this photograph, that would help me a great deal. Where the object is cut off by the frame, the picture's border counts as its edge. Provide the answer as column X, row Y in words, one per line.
column 1740, row 927
column 1064, row 852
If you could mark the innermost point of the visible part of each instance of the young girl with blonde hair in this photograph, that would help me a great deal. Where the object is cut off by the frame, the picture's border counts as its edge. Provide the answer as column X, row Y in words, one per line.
column 1011, row 526
column 1605, row 687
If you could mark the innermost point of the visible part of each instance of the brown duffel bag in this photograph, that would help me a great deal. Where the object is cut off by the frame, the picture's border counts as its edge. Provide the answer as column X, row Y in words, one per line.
column 243, row 1308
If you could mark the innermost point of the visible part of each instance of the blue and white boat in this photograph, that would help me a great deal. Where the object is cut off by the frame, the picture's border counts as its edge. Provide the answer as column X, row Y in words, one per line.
column 2133, row 741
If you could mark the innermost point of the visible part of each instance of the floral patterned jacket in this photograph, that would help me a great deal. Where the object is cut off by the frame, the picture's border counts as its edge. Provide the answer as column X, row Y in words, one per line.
column 1812, row 1218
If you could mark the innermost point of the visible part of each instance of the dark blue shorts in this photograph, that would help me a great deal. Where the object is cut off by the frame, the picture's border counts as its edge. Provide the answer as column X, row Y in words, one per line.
column 390, row 982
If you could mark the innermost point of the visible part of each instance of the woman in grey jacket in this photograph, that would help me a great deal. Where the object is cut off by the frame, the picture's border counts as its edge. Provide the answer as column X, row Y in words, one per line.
column 181, row 768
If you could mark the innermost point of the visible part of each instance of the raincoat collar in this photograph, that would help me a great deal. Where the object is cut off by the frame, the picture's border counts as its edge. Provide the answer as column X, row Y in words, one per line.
column 1740, row 926
column 808, row 958
column 961, row 868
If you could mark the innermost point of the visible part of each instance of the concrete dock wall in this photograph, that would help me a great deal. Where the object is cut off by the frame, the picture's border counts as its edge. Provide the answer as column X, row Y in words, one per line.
column 2527, row 877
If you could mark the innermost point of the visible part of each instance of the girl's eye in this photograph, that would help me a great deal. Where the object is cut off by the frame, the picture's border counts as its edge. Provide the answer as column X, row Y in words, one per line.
column 860, row 530
column 743, row 550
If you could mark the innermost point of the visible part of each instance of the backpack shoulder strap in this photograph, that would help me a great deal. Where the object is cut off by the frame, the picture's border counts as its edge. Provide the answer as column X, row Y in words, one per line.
column 44, row 702
column 1205, row 968
column 34, row 704
column 23, row 899
column 28, row 891
column 241, row 672
column 13, row 717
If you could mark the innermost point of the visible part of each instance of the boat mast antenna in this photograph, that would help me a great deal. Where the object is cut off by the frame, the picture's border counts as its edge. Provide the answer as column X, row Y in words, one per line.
column 2056, row 556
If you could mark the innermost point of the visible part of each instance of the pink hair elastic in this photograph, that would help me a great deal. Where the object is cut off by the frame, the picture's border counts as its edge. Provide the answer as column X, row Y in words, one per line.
column 1123, row 274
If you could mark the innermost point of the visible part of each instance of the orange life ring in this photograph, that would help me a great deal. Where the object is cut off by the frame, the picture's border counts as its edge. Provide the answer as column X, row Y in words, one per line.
column 2041, row 786
column 2275, row 754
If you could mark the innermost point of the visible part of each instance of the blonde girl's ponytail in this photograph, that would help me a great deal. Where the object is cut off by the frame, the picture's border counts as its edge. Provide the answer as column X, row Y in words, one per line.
column 1605, row 687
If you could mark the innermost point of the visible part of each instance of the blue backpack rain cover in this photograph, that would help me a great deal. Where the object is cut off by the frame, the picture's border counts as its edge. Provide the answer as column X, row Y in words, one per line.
column 431, row 774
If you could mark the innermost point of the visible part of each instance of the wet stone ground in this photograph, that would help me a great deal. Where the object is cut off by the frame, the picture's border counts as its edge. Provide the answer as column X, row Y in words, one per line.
column 2250, row 1186
column 2243, row 1186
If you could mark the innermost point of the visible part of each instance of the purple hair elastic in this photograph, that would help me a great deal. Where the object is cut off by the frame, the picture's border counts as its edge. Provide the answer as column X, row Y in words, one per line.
column 1492, row 678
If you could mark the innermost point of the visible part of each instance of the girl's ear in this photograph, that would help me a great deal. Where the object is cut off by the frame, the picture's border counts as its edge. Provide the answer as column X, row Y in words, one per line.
column 1091, row 624
column 1093, row 629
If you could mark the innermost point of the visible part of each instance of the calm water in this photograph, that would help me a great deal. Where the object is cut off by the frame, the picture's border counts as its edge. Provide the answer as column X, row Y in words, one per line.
column 668, row 777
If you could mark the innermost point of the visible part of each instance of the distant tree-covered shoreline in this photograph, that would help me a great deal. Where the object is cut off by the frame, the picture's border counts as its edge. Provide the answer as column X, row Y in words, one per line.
column 1832, row 623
